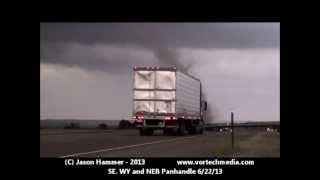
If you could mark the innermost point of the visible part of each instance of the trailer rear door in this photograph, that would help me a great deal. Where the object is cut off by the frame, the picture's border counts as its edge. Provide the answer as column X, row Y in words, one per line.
column 154, row 91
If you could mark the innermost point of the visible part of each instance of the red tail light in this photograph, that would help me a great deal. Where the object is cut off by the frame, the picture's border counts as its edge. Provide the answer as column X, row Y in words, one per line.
column 139, row 118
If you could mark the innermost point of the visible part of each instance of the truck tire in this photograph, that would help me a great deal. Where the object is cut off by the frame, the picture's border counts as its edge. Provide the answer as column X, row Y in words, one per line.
column 201, row 128
column 192, row 130
column 167, row 131
column 181, row 129
column 149, row 132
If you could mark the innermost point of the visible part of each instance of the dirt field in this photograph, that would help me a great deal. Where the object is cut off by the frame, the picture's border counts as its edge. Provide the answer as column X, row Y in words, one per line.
column 248, row 143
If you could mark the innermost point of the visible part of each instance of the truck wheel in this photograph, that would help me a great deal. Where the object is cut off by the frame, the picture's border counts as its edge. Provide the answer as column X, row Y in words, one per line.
column 149, row 132
column 201, row 130
column 192, row 130
column 182, row 128
column 167, row 131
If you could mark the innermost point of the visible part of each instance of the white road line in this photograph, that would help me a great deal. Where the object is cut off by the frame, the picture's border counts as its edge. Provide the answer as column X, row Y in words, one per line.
column 84, row 132
column 127, row 147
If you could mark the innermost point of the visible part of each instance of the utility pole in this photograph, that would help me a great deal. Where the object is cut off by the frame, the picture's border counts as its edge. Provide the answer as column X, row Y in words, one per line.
column 232, row 131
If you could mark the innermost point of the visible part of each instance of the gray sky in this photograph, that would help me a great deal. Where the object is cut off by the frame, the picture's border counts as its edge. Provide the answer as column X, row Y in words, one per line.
column 86, row 68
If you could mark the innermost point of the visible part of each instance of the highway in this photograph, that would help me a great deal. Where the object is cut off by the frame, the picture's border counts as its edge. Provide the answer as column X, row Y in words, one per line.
column 128, row 143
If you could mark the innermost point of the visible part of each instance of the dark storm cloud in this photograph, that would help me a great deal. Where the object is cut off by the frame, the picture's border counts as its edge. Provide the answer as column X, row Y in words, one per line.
column 162, row 39
column 102, row 57
column 171, row 35
column 236, row 62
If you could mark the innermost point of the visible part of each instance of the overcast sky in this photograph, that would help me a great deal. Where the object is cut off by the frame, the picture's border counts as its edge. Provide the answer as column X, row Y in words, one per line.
column 86, row 68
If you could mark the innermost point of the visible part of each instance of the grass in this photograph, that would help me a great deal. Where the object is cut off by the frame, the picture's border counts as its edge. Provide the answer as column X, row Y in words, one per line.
column 248, row 144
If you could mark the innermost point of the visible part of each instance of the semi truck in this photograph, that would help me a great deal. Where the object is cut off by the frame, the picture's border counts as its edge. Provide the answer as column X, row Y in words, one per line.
column 168, row 99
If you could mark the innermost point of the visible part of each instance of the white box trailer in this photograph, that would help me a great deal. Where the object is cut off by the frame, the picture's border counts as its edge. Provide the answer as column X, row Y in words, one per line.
column 165, row 98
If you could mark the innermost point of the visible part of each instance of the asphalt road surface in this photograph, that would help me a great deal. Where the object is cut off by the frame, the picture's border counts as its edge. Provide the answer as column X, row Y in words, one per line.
column 128, row 143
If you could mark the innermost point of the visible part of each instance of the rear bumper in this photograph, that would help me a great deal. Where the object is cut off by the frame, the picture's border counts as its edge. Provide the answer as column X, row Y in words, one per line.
column 157, row 124
column 157, row 127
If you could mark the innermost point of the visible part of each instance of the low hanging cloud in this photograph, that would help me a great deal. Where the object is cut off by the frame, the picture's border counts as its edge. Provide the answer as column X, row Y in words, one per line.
column 244, row 80
column 102, row 57
column 169, row 35
column 89, row 75
column 96, row 45
column 111, row 58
